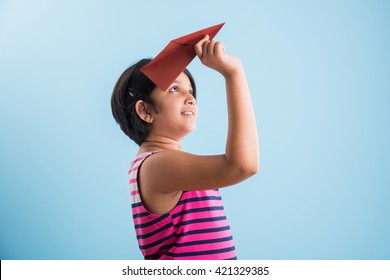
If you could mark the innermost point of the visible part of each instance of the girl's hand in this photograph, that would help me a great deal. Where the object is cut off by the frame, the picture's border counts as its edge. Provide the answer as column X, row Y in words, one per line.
column 213, row 55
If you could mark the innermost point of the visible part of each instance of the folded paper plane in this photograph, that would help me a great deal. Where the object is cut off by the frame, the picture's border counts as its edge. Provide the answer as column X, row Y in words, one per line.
column 175, row 57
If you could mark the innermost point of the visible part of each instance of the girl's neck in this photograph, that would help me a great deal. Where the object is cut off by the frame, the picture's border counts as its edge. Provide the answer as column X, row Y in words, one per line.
column 159, row 143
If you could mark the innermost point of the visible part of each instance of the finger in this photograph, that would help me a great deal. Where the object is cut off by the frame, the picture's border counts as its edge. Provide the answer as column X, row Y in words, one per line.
column 210, row 47
column 199, row 46
column 205, row 48
column 219, row 49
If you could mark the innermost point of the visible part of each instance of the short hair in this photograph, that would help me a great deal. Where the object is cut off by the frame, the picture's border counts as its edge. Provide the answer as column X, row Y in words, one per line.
column 133, row 85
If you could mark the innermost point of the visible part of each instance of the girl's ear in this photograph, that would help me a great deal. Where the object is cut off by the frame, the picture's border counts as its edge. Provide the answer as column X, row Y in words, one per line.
column 143, row 111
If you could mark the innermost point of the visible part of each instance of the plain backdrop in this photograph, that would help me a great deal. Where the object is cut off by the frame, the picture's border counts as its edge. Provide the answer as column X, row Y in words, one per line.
column 319, row 74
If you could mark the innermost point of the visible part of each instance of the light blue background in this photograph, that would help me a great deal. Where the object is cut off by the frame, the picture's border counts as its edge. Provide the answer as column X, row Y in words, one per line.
column 319, row 73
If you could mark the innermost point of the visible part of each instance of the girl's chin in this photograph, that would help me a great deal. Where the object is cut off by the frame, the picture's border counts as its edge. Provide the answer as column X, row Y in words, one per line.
column 189, row 130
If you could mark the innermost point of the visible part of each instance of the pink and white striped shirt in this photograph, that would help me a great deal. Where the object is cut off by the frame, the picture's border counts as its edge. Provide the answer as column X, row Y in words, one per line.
column 195, row 229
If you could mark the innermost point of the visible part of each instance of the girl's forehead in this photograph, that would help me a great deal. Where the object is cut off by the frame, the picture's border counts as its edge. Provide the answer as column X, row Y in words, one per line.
column 183, row 79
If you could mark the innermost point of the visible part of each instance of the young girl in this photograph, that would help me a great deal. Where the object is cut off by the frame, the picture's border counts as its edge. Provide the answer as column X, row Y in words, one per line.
column 177, row 209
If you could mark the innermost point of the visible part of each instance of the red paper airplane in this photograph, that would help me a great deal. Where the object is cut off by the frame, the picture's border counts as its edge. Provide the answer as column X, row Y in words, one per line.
column 175, row 57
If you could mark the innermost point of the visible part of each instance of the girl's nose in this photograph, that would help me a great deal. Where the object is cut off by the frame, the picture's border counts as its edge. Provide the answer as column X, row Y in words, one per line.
column 190, row 99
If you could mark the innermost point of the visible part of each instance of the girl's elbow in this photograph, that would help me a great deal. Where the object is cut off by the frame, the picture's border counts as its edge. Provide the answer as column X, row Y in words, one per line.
column 252, row 169
column 252, row 165
column 248, row 170
column 242, row 169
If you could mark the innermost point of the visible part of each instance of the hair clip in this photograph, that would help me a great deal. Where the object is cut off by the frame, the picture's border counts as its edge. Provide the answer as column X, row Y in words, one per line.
column 132, row 95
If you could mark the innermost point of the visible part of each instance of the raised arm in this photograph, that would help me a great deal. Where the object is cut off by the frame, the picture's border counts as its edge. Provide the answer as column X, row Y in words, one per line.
column 173, row 170
column 242, row 153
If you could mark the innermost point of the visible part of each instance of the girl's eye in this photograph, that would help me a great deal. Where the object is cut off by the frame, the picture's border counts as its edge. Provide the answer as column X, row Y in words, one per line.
column 173, row 89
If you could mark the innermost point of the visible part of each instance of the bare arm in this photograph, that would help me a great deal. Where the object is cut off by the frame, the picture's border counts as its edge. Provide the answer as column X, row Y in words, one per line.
column 242, row 144
column 174, row 171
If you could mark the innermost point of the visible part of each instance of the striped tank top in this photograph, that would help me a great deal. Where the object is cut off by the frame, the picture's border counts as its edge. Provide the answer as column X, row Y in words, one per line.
column 195, row 229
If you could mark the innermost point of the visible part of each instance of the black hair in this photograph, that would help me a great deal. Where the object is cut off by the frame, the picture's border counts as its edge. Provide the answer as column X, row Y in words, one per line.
column 133, row 85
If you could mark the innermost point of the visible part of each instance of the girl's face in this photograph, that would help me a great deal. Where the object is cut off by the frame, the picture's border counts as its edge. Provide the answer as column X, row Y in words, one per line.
column 176, row 109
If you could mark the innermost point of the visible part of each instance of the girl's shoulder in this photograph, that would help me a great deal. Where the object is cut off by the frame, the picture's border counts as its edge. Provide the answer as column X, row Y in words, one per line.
column 140, row 157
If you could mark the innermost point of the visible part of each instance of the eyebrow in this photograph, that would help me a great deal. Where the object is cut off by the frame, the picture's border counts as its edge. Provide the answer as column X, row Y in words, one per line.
column 180, row 82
